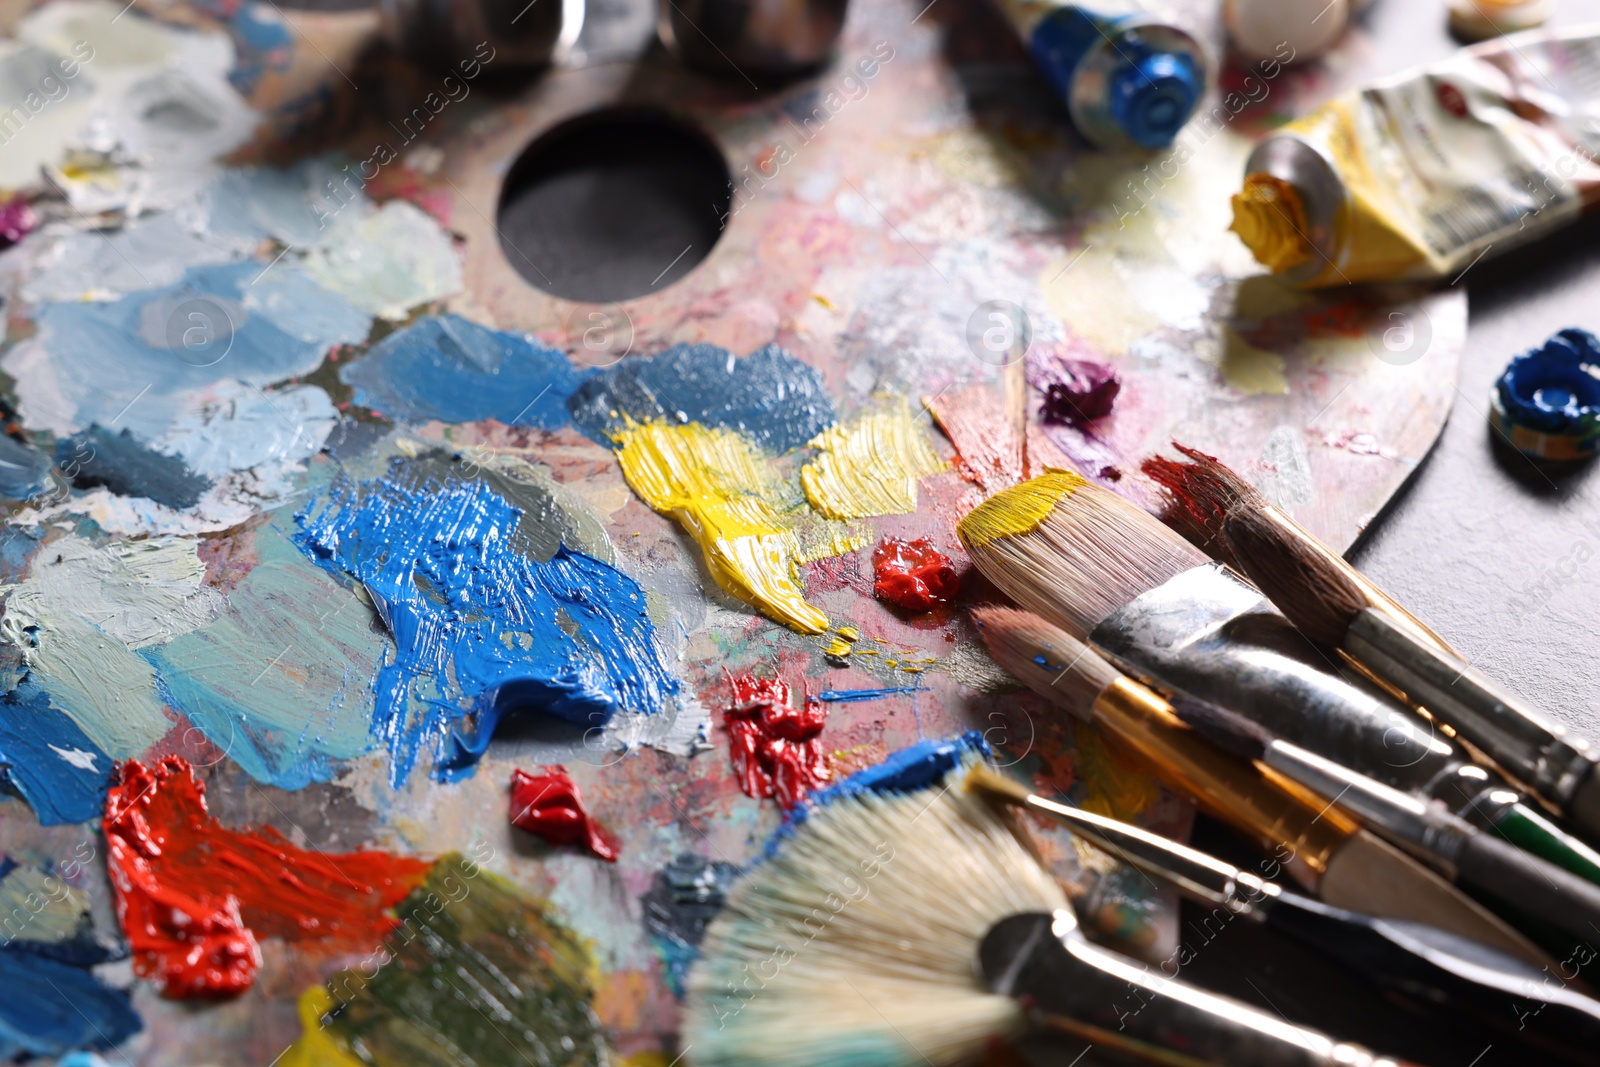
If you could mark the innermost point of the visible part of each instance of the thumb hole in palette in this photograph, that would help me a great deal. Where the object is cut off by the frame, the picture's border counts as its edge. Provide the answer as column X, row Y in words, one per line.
column 613, row 205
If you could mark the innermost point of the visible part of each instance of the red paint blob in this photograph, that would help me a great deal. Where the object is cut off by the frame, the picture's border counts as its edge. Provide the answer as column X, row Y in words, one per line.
column 776, row 749
column 913, row 574
column 549, row 805
column 194, row 897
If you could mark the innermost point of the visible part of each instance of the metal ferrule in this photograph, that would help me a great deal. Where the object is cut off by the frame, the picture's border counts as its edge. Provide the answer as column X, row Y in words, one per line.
column 1411, row 822
column 1208, row 633
column 1196, row 874
column 1540, row 754
column 1090, row 993
column 1232, row 789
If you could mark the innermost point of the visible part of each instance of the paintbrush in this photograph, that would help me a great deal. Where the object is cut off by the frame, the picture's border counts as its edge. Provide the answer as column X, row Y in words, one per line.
column 1202, row 494
column 1331, row 856
column 1330, row 604
column 1474, row 859
column 1085, row 559
column 905, row 921
column 1429, row 968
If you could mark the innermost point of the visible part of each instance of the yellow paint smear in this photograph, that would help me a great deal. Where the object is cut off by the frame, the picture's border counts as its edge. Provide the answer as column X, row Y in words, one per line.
column 1018, row 510
column 1250, row 369
column 870, row 467
column 713, row 483
column 1113, row 785
column 849, row 633
column 836, row 646
column 316, row 1046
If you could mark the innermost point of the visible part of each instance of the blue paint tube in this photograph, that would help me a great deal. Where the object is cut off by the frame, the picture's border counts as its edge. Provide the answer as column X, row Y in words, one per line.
column 1129, row 81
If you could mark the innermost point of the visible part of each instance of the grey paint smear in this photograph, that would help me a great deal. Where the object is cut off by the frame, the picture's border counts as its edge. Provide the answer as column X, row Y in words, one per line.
column 142, row 593
column 129, row 467
column 1286, row 469
column 82, row 614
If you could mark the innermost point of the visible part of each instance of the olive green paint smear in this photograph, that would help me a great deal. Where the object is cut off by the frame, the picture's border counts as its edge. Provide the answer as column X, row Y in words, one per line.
column 478, row 974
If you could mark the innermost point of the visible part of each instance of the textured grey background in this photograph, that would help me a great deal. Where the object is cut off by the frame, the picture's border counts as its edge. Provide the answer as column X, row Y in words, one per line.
column 1502, row 558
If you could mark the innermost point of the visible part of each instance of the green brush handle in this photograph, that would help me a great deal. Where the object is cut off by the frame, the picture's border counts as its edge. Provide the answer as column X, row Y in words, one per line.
column 1532, row 832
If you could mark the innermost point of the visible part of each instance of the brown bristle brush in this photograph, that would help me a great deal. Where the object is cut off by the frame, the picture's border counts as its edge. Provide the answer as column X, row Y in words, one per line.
column 1331, row 604
column 1199, row 497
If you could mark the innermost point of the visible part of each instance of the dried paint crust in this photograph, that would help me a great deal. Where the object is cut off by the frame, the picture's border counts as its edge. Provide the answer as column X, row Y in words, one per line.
column 478, row 974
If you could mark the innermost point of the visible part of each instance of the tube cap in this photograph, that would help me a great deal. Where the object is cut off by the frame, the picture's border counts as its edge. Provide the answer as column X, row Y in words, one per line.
column 1153, row 96
column 1547, row 402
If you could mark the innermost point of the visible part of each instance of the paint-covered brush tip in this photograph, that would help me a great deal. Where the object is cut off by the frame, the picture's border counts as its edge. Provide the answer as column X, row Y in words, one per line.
column 1198, row 496
column 1019, row 509
column 1071, row 551
column 1045, row 658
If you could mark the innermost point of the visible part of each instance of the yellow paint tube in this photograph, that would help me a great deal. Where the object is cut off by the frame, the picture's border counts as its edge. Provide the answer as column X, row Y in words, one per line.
column 714, row 483
column 1423, row 174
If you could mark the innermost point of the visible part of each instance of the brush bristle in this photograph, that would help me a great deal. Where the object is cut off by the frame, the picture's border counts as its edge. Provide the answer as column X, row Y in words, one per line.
column 1198, row 496
column 1045, row 658
column 1071, row 551
column 855, row 944
column 1316, row 593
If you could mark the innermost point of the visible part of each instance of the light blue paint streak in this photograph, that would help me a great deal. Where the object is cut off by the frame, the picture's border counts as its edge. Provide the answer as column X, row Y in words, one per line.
column 481, row 631
column 278, row 682
column 112, row 364
column 447, row 368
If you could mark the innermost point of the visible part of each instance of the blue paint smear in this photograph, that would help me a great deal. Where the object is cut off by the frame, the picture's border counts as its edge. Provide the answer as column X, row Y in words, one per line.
column 478, row 628
column 51, row 1008
column 853, row 696
column 914, row 767
column 125, row 364
column 58, row 791
column 772, row 397
column 447, row 368
column 24, row 471
column 127, row 467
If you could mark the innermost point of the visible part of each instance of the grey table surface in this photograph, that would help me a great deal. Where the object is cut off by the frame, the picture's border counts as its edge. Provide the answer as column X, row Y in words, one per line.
column 1498, row 555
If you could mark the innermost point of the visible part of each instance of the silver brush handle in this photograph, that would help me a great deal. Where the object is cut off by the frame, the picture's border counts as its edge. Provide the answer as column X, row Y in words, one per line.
column 1551, row 762
column 1072, row 986
column 1209, row 634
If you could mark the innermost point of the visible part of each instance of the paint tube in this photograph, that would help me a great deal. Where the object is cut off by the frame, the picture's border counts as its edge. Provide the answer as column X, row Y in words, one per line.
column 1258, row 29
column 1128, row 80
column 1421, row 175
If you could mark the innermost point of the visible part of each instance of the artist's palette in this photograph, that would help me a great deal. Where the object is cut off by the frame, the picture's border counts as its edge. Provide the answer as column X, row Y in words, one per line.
column 362, row 521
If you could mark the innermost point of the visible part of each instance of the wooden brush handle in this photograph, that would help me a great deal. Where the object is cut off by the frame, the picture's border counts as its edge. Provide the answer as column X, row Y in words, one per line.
column 1232, row 789
column 1374, row 593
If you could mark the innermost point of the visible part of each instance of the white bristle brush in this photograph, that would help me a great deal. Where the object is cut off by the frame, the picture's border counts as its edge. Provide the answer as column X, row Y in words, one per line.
column 908, row 929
